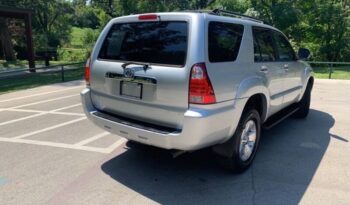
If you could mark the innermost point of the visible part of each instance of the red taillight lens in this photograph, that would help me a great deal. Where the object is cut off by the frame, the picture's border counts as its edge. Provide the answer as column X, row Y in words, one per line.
column 200, row 90
column 87, row 72
column 148, row 17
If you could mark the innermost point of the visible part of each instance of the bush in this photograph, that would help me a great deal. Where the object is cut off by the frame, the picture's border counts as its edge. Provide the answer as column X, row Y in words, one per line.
column 81, row 44
column 72, row 54
column 89, row 38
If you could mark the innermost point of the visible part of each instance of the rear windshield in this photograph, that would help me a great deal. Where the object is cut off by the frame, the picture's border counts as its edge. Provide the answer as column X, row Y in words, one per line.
column 163, row 42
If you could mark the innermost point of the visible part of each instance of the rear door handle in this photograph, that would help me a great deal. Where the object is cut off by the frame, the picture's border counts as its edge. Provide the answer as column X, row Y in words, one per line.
column 264, row 69
column 286, row 67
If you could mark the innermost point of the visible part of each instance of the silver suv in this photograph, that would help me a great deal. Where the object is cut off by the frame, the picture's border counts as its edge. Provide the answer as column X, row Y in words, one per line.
column 190, row 80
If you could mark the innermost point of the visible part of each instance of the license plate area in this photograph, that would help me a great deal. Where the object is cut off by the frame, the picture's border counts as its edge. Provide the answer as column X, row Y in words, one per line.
column 131, row 89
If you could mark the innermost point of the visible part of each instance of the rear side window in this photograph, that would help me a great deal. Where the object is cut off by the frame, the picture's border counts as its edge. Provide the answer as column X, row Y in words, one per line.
column 285, row 50
column 264, row 49
column 162, row 42
column 224, row 41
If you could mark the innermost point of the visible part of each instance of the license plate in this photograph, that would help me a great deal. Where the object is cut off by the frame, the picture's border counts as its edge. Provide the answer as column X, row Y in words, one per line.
column 131, row 89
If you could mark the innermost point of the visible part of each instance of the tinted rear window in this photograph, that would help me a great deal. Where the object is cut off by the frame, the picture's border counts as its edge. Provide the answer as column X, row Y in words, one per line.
column 224, row 41
column 150, row 42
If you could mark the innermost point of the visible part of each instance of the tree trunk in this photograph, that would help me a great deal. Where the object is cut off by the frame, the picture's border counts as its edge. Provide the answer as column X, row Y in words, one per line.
column 6, row 42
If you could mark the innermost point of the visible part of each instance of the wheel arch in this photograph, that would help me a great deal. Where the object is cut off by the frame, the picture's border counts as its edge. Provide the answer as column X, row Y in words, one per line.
column 258, row 101
column 251, row 93
column 307, row 78
column 254, row 89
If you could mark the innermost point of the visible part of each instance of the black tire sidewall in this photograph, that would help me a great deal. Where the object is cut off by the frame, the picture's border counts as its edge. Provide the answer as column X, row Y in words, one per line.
column 236, row 164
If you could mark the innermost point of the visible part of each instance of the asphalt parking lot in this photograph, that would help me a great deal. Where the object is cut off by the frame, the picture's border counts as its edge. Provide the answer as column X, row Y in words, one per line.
column 51, row 154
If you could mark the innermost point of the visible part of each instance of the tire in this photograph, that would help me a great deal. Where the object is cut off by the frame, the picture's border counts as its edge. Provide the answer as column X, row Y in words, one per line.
column 304, row 104
column 237, row 162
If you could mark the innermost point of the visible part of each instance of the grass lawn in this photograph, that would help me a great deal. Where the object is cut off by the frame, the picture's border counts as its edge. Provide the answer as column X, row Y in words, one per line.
column 38, row 79
column 342, row 72
column 77, row 35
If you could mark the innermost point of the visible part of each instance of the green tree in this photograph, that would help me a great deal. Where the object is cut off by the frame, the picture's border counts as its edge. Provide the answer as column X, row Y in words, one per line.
column 321, row 25
column 329, row 28
column 200, row 4
column 109, row 6
column 282, row 14
column 145, row 6
column 240, row 6
column 86, row 17
column 52, row 20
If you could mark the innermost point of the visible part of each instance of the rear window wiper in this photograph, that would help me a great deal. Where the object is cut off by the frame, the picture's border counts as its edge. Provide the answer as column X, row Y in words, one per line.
column 145, row 65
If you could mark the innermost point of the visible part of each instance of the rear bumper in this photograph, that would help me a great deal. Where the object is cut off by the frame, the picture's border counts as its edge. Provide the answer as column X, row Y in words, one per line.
column 201, row 127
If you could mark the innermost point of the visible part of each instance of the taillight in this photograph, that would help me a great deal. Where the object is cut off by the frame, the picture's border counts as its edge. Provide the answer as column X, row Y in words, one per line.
column 200, row 90
column 148, row 17
column 87, row 72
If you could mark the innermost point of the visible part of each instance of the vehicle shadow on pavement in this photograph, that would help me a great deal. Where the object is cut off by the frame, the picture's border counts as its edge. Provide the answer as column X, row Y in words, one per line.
column 287, row 159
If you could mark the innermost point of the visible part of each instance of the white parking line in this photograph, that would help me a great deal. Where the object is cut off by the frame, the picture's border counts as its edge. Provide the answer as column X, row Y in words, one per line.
column 49, row 128
column 62, row 145
column 44, row 101
column 38, row 94
column 116, row 144
column 23, row 110
column 22, row 118
column 46, row 112
column 91, row 139
column 67, row 107
column 67, row 113
column 40, row 113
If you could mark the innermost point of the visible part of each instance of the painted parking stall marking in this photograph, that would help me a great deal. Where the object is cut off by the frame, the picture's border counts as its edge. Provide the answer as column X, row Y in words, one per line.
column 40, row 113
column 69, row 146
column 91, row 139
column 63, row 96
column 39, row 94
column 44, row 101
column 49, row 128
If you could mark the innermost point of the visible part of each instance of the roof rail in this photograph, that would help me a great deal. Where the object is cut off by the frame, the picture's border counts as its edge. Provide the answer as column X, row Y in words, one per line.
column 234, row 14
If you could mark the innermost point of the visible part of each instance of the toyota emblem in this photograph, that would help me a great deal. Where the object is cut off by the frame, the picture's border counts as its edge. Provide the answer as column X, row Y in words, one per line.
column 128, row 73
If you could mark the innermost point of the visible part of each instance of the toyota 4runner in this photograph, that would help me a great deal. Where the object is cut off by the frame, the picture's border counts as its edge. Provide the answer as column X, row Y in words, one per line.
column 190, row 80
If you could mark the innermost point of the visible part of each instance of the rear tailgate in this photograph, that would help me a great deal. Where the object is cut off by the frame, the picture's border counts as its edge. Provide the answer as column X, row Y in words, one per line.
column 139, row 69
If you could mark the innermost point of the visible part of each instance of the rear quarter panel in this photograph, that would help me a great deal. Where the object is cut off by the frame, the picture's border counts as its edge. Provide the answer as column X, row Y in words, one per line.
column 239, row 79
column 226, row 77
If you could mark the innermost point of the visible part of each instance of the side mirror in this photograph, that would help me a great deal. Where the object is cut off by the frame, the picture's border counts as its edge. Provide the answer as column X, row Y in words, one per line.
column 303, row 53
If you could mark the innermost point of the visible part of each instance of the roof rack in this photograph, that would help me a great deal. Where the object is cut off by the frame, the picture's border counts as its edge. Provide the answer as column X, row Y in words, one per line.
column 222, row 12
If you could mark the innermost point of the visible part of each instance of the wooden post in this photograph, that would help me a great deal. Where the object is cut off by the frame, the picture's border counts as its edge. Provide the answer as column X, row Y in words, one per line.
column 29, row 38
column 26, row 15
column 62, row 73
column 330, row 71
